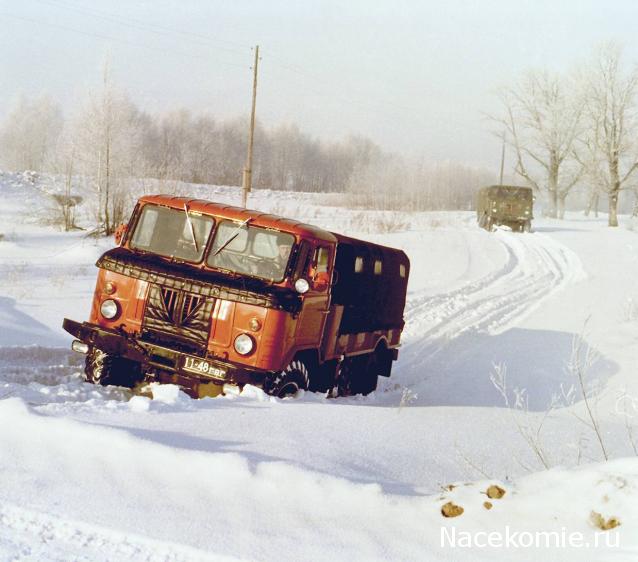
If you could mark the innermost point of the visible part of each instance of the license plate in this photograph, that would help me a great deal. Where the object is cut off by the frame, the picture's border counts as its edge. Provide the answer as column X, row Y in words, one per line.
column 203, row 367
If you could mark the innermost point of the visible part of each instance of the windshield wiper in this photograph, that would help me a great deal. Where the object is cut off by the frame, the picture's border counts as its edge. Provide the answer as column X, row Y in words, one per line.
column 192, row 230
column 234, row 235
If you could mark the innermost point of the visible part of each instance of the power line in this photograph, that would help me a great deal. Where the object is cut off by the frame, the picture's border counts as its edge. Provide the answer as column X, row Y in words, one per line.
column 206, row 39
column 116, row 40
column 298, row 70
column 153, row 28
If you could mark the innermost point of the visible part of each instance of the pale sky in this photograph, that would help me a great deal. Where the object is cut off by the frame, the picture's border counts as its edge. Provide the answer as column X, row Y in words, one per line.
column 414, row 76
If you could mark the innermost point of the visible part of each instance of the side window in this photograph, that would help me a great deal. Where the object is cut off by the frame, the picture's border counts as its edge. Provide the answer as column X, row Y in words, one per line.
column 302, row 265
column 321, row 260
column 402, row 270
column 358, row 264
column 378, row 267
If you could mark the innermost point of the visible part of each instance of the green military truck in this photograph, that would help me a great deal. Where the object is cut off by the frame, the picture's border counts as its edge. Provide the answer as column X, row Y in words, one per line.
column 507, row 205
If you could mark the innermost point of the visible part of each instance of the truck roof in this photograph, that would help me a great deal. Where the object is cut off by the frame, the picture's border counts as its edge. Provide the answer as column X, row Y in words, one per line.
column 382, row 250
column 231, row 212
column 506, row 187
column 259, row 218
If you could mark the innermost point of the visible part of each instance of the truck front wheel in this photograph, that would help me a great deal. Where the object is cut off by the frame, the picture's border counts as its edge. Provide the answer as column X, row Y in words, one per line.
column 292, row 379
column 104, row 369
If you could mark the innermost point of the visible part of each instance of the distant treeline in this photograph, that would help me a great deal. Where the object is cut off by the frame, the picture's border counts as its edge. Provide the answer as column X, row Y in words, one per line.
column 109, row 139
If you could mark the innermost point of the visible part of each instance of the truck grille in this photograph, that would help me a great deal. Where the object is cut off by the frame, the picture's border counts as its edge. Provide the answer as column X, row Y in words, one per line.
column 189, row 305
column 177, row 316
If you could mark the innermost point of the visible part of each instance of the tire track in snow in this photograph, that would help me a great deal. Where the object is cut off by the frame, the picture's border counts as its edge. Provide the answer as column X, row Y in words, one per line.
column 30, row 535
column 536, row 267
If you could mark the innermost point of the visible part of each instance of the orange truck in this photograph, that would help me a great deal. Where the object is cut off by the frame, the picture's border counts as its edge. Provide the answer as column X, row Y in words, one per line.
column 205, row 295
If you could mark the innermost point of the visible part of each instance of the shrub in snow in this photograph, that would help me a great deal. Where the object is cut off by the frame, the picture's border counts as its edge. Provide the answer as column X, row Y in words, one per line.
column 604, row 524
column 495, row 492
column 450, row 509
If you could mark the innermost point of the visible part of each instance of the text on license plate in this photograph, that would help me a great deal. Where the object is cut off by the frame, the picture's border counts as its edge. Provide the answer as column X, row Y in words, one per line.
column 200, row 366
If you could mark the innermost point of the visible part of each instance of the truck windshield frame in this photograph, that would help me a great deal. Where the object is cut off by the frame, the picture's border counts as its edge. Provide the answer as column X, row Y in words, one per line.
column 172, row 233
column 258, row 252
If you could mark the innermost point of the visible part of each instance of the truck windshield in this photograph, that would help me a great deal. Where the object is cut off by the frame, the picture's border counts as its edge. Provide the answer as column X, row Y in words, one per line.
column 173, row 233
column 250, row 250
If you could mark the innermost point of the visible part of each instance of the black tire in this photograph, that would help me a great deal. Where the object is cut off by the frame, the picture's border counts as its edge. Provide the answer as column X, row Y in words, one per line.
column 358, row 375
column 370, row 374
column 345, row 376
column 485, row 222
column 322, row 377
column 292, row 379
column 104, row 369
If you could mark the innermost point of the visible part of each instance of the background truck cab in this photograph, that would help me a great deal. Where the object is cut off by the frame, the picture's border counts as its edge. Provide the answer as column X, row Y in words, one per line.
column 205, row 295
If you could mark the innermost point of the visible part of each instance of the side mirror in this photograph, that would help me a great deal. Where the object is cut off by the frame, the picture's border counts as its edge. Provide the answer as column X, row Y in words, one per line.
column 119, row 233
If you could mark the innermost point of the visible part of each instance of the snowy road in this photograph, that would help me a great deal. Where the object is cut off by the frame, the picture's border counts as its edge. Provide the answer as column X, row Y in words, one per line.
column 534, row 267
column 89, row 472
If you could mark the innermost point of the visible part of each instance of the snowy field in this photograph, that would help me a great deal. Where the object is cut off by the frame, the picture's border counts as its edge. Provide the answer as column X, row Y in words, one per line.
column 90, row 473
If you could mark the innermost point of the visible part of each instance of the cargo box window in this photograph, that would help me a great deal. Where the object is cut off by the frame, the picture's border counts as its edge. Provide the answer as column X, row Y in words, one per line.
column 378, row 267
column 402, row 270
column 358, row 264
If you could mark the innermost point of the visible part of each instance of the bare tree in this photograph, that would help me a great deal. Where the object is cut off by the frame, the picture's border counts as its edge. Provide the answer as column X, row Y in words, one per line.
column 29, row 134
column 109, row 136
column 611, row 147
column 543, row 118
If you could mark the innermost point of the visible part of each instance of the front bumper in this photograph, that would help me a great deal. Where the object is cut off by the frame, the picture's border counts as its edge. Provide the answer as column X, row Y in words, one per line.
column 162, row 363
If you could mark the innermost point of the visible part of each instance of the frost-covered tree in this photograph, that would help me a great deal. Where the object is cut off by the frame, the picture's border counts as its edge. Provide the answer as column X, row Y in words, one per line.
column 611, row 145
column 29, row 134
column 109, row 138
column 543, row 118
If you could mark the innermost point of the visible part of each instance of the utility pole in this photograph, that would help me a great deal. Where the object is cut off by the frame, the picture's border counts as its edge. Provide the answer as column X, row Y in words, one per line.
column 247, row 177
column 502, row 159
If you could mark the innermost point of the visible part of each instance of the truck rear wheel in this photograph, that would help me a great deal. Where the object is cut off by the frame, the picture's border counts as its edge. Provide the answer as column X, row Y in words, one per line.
column 104, row 369
column 358, row 375
column 292, row 379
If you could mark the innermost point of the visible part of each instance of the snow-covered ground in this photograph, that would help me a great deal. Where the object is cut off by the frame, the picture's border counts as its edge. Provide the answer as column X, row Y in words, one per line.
column 89, row 473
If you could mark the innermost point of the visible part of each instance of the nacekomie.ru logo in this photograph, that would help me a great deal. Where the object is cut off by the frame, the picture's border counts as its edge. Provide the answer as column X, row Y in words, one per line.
column 508, row 538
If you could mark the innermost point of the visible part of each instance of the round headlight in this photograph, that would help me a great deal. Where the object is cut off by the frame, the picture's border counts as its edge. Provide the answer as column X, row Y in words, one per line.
column 109, row 309
column 244, row 344
column 301, row 286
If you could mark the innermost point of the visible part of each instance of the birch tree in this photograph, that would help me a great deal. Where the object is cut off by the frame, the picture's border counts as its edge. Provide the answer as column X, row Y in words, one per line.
column 543, row 118
column 611, row 145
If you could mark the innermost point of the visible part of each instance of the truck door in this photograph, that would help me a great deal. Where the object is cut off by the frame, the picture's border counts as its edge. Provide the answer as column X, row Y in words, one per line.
column 316, row 301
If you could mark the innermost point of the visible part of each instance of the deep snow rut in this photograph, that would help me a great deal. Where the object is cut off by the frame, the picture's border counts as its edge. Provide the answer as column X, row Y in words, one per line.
column 535, row 268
